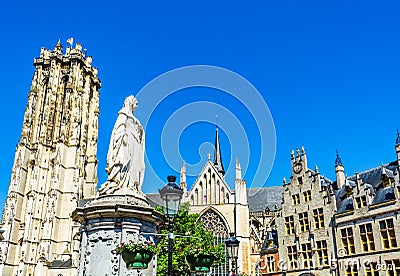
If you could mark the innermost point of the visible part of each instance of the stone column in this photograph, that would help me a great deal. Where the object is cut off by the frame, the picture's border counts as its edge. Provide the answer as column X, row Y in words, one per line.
column 105, row 222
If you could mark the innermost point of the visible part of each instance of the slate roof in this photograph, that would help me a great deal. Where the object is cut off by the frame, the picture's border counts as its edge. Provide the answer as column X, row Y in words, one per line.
column 346, row 205
column 258, row 198
column 383, row 195
column 373, row 182
column 374, row 176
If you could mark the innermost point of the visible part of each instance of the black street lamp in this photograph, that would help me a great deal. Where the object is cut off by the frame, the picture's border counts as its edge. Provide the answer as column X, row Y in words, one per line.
column 232, row 250
column 172, row 195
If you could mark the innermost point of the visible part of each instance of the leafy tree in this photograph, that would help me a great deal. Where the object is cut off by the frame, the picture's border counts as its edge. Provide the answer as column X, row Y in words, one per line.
column 200, row 240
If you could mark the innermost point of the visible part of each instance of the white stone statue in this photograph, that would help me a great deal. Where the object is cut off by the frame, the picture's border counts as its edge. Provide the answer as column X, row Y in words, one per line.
column 125, row 157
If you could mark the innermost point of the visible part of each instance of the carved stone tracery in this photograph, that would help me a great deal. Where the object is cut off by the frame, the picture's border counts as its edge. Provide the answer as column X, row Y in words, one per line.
column 214, row 223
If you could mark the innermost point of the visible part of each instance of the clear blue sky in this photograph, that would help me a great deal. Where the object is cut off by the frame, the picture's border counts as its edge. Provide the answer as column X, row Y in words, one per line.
column 329, row 72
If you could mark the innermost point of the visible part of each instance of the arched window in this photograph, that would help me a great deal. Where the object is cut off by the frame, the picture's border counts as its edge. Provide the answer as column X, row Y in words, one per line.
column 214, row 223
column 201, row 193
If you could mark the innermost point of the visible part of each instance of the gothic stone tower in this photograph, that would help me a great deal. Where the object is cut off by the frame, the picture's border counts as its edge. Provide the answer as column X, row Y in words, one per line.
column 55, row 166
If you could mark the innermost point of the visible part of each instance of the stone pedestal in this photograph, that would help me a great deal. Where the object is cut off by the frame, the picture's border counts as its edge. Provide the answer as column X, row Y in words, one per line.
column 105, row 222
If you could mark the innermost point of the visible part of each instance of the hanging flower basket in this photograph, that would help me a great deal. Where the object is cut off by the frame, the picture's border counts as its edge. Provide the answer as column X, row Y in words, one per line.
column 200, row 263
column 136, row 255
column 137, row 259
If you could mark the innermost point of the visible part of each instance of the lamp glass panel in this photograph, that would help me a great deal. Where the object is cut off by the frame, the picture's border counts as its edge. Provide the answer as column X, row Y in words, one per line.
column 172, row 204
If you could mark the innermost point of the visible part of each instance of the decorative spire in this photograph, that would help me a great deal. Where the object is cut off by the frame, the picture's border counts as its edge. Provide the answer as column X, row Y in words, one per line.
column 58, row 46
column 183, row 173
column 217, row 154
column 398, row 138
column 238, row 169
column 338, row 160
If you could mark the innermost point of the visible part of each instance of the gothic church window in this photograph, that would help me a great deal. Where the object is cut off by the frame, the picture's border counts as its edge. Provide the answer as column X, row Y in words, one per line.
column 214, row 223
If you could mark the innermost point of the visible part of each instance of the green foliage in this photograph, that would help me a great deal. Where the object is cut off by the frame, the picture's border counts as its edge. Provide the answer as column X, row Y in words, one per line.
column 131, row 246
column 201, row 242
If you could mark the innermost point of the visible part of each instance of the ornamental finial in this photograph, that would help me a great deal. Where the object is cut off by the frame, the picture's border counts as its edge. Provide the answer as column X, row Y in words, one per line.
column 338, row 160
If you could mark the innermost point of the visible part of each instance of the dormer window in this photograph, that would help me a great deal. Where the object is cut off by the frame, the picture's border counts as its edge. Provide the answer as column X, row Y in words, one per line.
column 386, row 181
column 349, row 191
column 361, row 201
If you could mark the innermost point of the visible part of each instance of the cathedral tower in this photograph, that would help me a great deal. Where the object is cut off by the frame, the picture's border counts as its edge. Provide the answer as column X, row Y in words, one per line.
column 55, row 165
